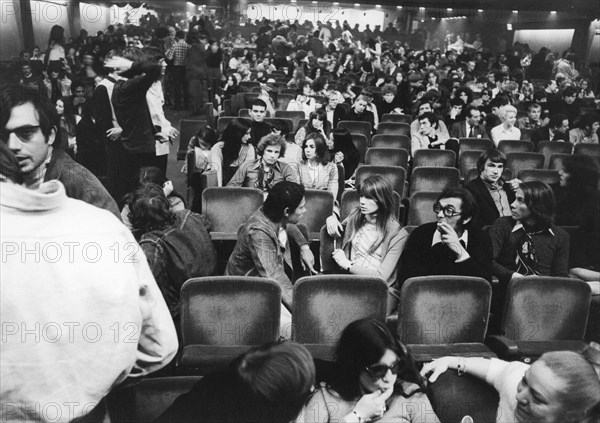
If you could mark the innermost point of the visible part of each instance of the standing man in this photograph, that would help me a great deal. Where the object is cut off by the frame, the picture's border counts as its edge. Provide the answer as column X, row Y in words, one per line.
column 29, row 129
column 80, row 309
column 178, row 52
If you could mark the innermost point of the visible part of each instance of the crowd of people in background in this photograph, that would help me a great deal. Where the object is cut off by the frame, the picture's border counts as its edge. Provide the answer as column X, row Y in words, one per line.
column 89, row 112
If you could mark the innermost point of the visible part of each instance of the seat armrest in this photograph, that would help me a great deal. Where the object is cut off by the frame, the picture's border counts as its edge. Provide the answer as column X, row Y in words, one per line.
column 505, row 347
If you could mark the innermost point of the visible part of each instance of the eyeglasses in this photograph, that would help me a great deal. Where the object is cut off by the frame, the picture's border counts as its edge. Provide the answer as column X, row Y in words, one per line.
column 377, row 371
column 24, row 133
column 448, row 210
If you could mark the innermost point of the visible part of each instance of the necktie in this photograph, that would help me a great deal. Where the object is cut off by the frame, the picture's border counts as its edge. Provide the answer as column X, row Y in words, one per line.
column 471, row 134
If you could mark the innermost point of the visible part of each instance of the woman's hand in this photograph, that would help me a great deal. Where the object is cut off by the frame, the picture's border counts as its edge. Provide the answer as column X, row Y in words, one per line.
column 334, row 227
column 439, row 366
column 372, row 406
column 340, row 258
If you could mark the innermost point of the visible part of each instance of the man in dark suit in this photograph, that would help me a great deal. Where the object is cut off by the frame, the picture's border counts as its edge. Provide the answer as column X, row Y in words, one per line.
column 493, row 195
column 556, row 130
column 359, row 112
column 450, row 246
column 471, row 127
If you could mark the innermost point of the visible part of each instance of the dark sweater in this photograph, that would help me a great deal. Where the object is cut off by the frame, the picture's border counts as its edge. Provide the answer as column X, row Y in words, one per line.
column 420, row 258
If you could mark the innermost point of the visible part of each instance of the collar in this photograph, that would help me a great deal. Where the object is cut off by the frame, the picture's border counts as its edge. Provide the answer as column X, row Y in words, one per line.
column 519, row 225
column 498, row 186
column 256, row 165
column 437, row 237
column 50, row 195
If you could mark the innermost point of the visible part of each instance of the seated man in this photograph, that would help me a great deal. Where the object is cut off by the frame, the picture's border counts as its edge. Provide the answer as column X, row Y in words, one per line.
column 262, row 246
column 260, row 128
column 556, row 130
column 30, row 126
column 176, row 243
column 266, row 171
column 455, row 113
column 450, row 246
column 359, row 112
column 533, row 119
column 493, row 195
column 426, row 107
column 471, row 127
column 528, row 243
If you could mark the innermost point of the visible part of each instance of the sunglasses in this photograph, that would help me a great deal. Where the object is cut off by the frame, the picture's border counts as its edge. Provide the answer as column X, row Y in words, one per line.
column 448, row 210
column 377, row 371
column 24, row 133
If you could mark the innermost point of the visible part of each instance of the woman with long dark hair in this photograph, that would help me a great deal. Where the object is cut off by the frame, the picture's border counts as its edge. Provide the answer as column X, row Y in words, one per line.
column 343, row 151
column 232, row 150
column 374, row 378
column 315, row 171
column 317, row 123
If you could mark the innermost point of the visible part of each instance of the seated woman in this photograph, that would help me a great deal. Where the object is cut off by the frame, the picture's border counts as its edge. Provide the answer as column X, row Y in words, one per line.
column 343, row 151
column 263, row 173
column 372, row 241
column 267, row 384
column 155, row 175
column 431, row 136
column 389, row 102
column 578, row 204
column 507, row 129
column 317, row 123
column 315, row 171
column 374, row 378
column 303, row 101
column 561, row 386
column 172, row 242
column 232, row 150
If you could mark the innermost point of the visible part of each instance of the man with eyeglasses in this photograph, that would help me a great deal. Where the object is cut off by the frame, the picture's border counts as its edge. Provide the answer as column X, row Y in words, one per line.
column 29, row 128
column 450, row 245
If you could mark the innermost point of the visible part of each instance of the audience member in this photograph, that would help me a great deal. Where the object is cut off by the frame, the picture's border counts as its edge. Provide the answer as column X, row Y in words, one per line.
column 533, row 119
column 586, row 131
column 260, row 128
column 359, row 112
column 556, row 130
column 506, row 130
column 315, row 171
column 471, row 127
column 78, row 318
column 232, row 150
column 343, row 151
column 374, row 378
column 430, row 135
column 450, row 246
column 317, row 123
column 492, row 193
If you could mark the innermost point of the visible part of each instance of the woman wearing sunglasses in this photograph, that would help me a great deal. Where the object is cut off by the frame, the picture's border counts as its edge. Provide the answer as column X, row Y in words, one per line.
column 374, row 379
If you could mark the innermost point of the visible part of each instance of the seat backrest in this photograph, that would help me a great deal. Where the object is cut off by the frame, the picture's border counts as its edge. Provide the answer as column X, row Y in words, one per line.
column 526, row 134
column 324, row 305
column 319, row 206
column 467, row 160
column 393, row 128
column 539, row 308
column 226, row 208
column 548, row 148
column 453, row 397
column 474, row 144
column 302, row 123
column 515, row 146
column 350, row 200
column 549, row 177
column 147, row 399
column 387, row 157
column 230, row 310
column 245, row 113
column 521, row 161
column 391, row 141
column 361, row 144
column 392, row 117
column 443, row 309
column 587, row 149
column 356, row 127
column 556, row 160
column 394, row 174
column 187, row 129
column 433, row 179
column 421, row 208
column 249, row 84
column 289, row 123
column 295, row 116
column 434, row 158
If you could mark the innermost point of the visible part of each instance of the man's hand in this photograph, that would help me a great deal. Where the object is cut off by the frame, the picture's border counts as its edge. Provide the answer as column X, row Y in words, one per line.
column 514, row 184
column 450, row 238
column 120, row 64
column 114, row 133
column 308, row 259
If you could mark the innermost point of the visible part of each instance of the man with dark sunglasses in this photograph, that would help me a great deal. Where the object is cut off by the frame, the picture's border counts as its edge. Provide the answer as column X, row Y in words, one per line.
column 451, row 245
column 28, row 126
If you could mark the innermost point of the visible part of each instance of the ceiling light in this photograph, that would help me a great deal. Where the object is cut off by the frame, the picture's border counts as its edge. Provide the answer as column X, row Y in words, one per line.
column 480, row 10
column 378, row 6
column 399, row 7
column 553, row 12
column 356, row 4
column 515, row 11
column 449, row 9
